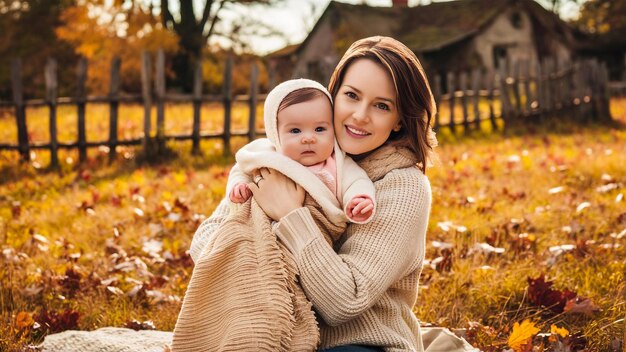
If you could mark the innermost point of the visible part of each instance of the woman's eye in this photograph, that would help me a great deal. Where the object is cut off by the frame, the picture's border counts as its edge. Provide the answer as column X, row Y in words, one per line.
column 382, row 106
column 320, row 129
column 294, row 130
column 351, row 95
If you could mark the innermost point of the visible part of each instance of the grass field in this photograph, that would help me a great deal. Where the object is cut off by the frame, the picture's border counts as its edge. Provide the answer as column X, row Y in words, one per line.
column 105, row 245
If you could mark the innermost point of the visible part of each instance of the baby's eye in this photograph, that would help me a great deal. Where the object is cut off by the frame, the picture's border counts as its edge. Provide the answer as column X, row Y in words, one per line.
column 294, row 130
column 382, row 106
column 351, row 95
column 320, row 129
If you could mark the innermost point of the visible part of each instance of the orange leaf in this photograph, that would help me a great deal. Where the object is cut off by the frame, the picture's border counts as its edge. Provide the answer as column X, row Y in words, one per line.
column 23, row 320
column 521, row 335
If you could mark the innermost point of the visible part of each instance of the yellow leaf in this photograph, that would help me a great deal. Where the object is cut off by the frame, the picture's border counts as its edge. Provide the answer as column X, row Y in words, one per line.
column 180, row 177
column 23, row 320
column 560, row 331
column 521, row 335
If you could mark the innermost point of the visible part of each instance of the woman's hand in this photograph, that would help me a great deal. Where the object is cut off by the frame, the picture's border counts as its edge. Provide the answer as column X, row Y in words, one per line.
column 276, row 194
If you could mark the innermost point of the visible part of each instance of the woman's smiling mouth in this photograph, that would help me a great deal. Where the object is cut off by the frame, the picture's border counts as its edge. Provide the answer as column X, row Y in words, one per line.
column 356, row 132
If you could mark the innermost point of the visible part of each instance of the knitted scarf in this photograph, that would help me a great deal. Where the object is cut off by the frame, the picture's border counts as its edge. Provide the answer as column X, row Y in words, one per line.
column 385, row 159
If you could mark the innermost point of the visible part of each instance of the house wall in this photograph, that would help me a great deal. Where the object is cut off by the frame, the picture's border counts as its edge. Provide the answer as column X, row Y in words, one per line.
column 317, row 59
column 517, row 41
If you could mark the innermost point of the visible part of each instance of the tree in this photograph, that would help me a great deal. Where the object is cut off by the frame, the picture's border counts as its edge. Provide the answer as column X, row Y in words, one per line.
column 195, row 30
column 100, row 30
column 603, row 16
column 27, row 32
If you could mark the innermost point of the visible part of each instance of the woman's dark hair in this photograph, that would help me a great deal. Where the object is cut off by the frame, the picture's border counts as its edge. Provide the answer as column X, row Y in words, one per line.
column 414, row 99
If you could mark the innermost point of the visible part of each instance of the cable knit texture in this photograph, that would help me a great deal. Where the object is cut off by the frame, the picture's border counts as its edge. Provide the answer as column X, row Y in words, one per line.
column 365, row 292
column 244, row 294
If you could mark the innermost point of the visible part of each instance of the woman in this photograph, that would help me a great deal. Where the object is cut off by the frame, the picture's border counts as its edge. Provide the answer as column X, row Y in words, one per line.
column 364, row 292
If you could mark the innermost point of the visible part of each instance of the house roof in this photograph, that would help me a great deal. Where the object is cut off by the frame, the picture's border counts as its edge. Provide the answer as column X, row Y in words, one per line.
column 430, row 27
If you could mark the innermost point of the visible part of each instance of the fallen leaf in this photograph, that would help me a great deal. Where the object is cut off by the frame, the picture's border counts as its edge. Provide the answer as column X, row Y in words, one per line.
column 558, row 331
column 522, row 335
column 16, row 209
column 23, row 320
column 582, row 206
column 138, row 212
column 115, row 290
column 540, row 293
column 581, row 305
column 55, row 321
column 137, row 325
column 556, row 190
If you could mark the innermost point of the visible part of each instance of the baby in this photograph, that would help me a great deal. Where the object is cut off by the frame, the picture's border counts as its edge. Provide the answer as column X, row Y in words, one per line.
column 299, row 125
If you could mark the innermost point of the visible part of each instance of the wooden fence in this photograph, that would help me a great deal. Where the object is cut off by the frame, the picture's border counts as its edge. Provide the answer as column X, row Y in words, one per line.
column 516, row 92
column 522, row 90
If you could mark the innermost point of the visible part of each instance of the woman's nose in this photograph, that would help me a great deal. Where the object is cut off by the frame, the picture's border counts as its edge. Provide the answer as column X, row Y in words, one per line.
column 360, row 113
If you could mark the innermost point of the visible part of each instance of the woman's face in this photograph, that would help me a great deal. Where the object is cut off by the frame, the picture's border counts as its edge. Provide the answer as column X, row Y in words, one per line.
column 365, row 107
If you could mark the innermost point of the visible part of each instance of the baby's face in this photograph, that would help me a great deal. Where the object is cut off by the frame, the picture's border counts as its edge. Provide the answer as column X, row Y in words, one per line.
column 306, row 131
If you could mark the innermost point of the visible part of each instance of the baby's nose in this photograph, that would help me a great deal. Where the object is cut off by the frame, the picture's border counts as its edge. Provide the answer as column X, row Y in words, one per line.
column 308, row 139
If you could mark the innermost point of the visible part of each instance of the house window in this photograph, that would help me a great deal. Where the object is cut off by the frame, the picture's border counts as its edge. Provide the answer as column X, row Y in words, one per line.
column 516, row 20
column 499, row 53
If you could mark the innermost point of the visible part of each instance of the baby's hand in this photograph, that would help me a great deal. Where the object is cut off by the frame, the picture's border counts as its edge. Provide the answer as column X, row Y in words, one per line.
column 240, row 193
column 360, row 209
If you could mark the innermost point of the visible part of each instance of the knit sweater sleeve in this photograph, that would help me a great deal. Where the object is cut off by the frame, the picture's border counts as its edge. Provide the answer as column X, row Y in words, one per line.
column 343, row 285
column 207, row 228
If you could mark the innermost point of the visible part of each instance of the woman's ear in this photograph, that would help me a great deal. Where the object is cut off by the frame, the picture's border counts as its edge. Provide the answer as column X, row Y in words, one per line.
column 397, row 127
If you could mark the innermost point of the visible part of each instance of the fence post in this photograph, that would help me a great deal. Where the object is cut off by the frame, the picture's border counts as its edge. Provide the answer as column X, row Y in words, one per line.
column 517, row 74
column 504, row 92
column 450, row 84
column 254, row 90
column 577, row 100
column 538, row 86
column 593, row 83
column 271, row 75
column 489, row 84
column 604, row 93
column 227, row 101
column 476, row 89
column 20, row 109
column 51, row 97
column 81, row 78
column 437, row 94
column 197, row 103
column 159, row 87
column 114, row 106
column 146, row 72
column 526, row 73
column 463, row 88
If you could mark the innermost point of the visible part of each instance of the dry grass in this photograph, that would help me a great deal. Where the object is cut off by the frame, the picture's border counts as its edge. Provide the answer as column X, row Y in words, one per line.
column 71, row 237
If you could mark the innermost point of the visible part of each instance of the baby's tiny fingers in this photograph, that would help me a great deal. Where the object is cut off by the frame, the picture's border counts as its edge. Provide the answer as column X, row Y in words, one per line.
column 367, row 209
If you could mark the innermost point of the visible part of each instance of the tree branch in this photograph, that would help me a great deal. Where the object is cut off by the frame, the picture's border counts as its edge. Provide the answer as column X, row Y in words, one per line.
column 207, row 12
column 166, row 15
column 213, row 21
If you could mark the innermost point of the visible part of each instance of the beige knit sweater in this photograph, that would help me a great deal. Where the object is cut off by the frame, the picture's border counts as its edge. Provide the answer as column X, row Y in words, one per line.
column 364, row 294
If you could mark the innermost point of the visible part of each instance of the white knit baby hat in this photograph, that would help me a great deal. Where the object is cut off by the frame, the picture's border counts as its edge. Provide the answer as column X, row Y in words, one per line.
column 276, row 96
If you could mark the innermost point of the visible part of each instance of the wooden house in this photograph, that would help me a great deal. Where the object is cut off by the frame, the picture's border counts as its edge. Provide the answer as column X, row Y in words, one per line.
column 447, row 36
